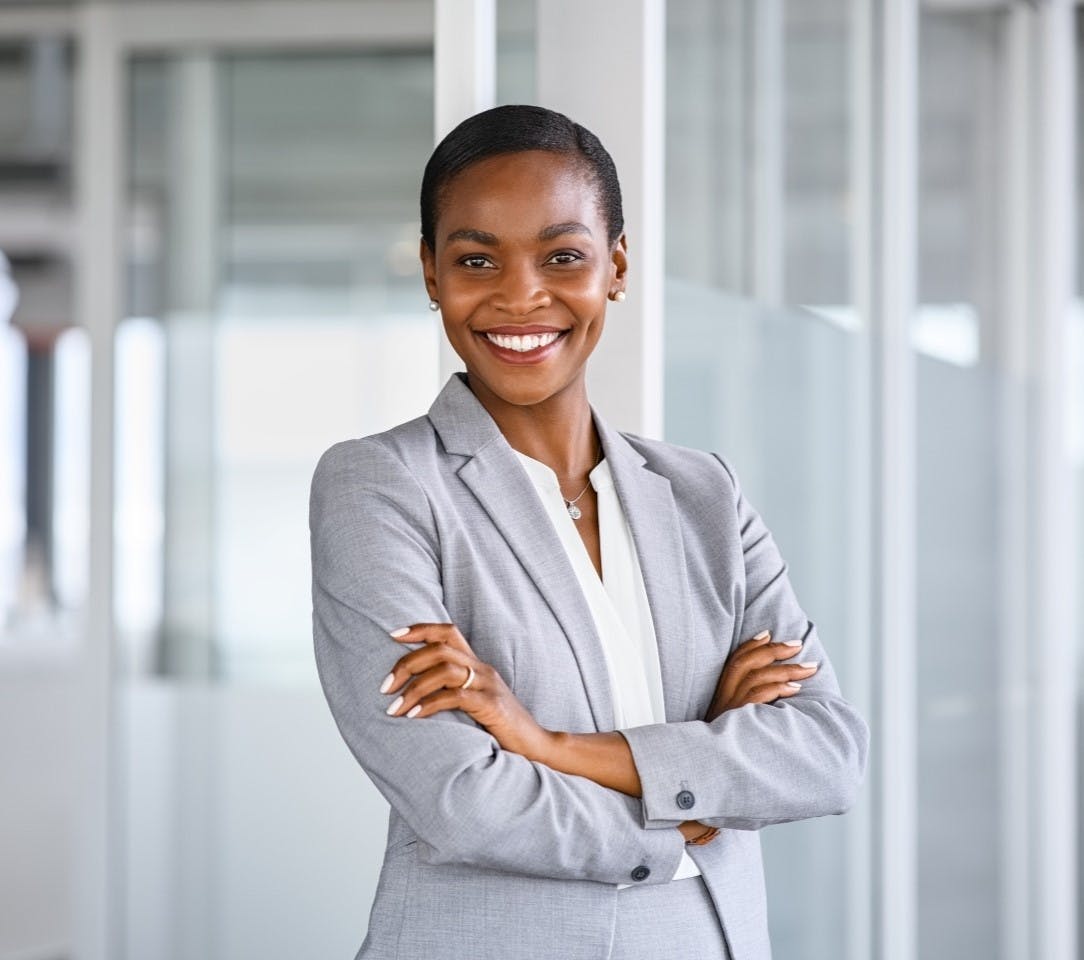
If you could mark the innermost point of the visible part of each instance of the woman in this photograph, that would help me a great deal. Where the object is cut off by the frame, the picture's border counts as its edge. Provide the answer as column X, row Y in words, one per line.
column 522, row 616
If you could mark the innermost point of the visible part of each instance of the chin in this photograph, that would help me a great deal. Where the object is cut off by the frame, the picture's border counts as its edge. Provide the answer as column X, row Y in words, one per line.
column 517, row 390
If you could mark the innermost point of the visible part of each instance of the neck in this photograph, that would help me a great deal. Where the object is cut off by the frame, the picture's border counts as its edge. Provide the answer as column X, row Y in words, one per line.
column 559, row 432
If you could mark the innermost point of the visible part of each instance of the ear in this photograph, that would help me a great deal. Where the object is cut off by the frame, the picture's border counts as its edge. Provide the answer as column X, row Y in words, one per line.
column 429, row 269
column 619, row 258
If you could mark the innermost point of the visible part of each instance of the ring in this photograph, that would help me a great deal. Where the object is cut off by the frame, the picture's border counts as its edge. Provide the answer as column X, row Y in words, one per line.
column 470, row 679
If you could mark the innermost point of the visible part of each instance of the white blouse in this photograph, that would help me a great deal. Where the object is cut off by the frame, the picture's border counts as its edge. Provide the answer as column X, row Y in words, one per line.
column 618, row 603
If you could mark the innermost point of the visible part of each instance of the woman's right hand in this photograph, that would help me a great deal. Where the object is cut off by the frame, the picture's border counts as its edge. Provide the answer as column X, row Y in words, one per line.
column 755, row 673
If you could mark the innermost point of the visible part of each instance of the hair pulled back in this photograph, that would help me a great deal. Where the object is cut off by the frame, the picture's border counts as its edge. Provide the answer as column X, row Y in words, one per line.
column 515, row 129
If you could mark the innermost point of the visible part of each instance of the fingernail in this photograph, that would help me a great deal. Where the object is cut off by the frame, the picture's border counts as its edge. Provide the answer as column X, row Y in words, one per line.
column 763, row 635
column 809, row 666
column 793, row 643
column 414, row 711
column 395, row 705
column 794, row 686
column 401, row 632
column 388, row 681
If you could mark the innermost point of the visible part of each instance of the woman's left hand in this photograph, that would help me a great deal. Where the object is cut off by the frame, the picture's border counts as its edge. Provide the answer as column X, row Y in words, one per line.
column 445, row 674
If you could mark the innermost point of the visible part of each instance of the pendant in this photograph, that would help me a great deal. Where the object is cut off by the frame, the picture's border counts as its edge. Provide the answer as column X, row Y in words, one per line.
column 574, row 512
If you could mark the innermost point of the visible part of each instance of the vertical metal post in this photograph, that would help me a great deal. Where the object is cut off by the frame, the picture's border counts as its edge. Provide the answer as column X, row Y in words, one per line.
column 98, row 263
column 1052, row 641
column 1012, row 363
column 767, row 149
column 191, row 291
column 895, row 507
column 860, row 836
column 465, row 78
column 625, row 107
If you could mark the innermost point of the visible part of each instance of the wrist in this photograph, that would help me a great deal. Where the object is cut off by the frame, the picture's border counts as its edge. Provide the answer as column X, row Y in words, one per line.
column 547, row 747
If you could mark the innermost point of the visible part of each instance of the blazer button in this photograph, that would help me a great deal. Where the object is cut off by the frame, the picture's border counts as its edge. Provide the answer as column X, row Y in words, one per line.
column 685, row 800
column 641, row 873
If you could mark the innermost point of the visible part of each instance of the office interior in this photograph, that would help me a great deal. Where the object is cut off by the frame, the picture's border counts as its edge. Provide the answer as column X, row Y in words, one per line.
column 857, row 273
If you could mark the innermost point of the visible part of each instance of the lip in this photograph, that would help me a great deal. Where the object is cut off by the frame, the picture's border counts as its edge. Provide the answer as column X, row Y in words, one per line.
column 514, row 358
column 521, row 330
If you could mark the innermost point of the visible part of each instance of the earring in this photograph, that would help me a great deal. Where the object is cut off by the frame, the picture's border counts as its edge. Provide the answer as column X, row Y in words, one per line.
column 434, row 306
column 619, row 297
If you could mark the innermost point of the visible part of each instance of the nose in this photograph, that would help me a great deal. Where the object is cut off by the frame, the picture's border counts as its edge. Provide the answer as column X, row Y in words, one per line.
column 521, row 289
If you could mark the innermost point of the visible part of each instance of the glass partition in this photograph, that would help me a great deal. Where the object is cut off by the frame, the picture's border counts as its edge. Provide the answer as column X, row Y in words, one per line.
column 274, row 307
column 274, row 295
column 969, row 568
column 44, row 360
column 766, row 350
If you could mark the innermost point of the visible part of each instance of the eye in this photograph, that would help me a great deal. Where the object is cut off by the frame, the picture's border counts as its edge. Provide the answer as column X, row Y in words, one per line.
column 476, row 261
column 565, row 256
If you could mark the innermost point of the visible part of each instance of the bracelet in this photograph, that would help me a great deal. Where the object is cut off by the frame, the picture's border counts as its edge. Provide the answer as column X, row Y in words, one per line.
column 706, row 837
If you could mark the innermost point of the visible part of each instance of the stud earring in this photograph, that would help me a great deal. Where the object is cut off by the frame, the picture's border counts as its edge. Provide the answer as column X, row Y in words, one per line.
column 434, row 306
column 619, row 297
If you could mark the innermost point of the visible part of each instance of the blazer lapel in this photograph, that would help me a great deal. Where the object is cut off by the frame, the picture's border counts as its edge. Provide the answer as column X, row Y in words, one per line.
column 501, row 485
column 648, row 502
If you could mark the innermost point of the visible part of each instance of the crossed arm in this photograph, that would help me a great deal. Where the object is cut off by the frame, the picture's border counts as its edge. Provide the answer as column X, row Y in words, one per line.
column 445, row 674
column 463, row 788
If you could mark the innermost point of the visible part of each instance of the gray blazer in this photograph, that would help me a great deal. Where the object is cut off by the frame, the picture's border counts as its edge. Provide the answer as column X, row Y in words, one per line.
column 489, row 854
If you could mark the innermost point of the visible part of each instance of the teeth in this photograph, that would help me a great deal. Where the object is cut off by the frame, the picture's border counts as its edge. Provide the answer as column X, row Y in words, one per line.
column 522, row 344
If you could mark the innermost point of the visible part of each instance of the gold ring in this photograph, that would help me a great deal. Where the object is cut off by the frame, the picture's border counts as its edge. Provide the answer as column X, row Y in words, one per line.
column 470, row 679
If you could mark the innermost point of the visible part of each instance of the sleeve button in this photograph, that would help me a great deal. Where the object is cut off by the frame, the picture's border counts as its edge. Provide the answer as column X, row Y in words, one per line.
column 685, row 800
column 641, row 873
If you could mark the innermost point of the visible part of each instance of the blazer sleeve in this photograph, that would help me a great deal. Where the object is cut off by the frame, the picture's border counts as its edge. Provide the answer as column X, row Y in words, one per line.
column 376, row 567
column 799, row 757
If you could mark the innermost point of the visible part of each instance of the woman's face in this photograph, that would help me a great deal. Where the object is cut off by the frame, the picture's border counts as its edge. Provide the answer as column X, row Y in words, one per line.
column 523, row 271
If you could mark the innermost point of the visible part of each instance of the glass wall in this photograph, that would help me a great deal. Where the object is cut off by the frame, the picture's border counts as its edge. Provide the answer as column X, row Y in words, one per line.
column 765, row 348
column 274, row 294
column 968, row 577
column 44, row 476
column 44, row 364
column 274, row 307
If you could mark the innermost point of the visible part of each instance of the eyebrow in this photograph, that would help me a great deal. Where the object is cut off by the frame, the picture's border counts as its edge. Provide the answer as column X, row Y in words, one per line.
column 551, row 232
column 560, row 229
column 474, row 236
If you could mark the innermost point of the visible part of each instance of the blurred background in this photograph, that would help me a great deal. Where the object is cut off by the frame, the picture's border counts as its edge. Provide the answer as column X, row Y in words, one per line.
column 856, row 274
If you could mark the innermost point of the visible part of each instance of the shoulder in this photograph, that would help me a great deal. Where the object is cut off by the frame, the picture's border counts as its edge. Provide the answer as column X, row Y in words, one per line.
column 384, row 467
column 691, row 472
column 377, row 461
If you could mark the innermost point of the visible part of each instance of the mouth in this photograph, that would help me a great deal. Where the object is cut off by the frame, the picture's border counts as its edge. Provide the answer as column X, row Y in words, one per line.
column 526, row 346
column 523, row 343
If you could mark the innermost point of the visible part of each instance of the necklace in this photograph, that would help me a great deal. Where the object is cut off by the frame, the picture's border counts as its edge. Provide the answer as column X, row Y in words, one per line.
column 573, row 511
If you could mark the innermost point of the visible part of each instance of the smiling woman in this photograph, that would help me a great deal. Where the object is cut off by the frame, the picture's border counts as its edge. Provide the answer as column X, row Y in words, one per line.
column 522, row 277
column 570, row 658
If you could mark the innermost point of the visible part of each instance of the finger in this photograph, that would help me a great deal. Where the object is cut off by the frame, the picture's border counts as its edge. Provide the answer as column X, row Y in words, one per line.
column 445, row 699
column 765, row 636
column 731, row 673
column 445, row 676
column 765, row 652
column 760, row 658
column 771, row 692
column 751, row 659
column 780, row 673
column 418, row 661
column 432, row 633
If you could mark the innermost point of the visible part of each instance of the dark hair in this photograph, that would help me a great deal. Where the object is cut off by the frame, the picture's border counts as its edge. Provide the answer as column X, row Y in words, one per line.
column 514, row 129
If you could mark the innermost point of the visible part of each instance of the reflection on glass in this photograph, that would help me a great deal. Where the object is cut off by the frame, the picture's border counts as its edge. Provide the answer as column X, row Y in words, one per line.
column 273, row 240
